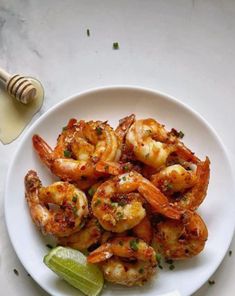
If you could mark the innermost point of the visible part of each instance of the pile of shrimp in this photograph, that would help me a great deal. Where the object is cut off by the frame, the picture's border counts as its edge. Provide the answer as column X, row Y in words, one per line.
column 125, row 196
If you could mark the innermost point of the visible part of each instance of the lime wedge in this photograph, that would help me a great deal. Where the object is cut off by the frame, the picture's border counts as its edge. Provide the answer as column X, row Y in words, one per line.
column 72, row 266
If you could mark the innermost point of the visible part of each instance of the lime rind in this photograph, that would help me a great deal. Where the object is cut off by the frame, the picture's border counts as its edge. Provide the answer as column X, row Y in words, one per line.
column 72, row 266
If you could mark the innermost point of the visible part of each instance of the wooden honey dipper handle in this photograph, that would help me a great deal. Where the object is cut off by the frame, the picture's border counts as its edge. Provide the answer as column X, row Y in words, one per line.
column 18, row 87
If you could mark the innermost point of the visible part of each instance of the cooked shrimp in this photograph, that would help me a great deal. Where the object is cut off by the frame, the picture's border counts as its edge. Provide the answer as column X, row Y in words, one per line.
column 123, row 127
column 89, row 235
column 58, row 209
column 181, row 239
column 150, row 142
column 118, row 206
column 144, row 230
column 174, row 178
column 78, row 148
column 113, row 168
column 122, row 272
column 191, row 185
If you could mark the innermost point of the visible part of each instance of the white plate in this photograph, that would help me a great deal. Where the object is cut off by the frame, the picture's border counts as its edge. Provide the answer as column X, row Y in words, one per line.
column 113, row 103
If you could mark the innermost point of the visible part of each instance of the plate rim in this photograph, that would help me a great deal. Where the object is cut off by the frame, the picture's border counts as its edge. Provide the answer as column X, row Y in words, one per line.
column 77, row 96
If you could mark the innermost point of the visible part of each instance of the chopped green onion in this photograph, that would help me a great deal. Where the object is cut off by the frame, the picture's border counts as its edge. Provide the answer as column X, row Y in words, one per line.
column 99, row 130
column 120, row 215
column 211, row 282
column 16, row 272
column 115, row 45
column 91, row 191
column 134, row 244
column 172, row 266
column 126, row 167
column 169, row 186
column 75, row 210
column 169, row 261
column 67, row 153
column 158, row 258
column 181, row 134
column 75, row 198
column 97, row 202
column 88, row 32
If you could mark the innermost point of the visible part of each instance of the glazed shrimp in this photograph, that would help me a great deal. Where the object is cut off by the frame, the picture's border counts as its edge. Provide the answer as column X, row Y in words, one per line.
column 89, row 235
column 78, row 148
column 58, row 209
column 191, row 185
column 116, row 270
column 144, row 230
column 150, row 142
column 181, row 239
column 118, row 203
column 174, row 178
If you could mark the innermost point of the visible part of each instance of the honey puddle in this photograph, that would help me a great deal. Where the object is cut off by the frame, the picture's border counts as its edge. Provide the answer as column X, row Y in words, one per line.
column 14, row 116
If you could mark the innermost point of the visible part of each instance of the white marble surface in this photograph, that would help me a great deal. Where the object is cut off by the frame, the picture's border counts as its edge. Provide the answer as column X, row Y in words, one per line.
column 184, row 48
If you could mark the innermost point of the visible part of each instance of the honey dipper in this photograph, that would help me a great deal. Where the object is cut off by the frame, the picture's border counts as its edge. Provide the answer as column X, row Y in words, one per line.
column 18, row 86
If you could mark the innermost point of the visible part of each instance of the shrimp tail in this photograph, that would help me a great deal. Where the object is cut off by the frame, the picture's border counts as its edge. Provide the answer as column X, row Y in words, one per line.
column 124, row 125
column 32, row 183
column 198, row 193
column 43, row 150
column 102, row 253
column 185, row 153
column 159, row 202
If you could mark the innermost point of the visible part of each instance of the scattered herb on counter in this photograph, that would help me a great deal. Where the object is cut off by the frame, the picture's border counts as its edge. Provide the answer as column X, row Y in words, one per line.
column 16, row 272
column 115, row 45
column 172, row 266
column 88, row 32
column 230, row 253
column 210, row 282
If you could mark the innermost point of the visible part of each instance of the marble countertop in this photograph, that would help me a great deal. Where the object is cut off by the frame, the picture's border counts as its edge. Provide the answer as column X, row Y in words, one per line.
column 183, row 48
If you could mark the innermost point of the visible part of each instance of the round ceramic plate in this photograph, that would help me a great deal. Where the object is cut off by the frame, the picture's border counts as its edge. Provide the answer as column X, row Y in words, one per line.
column 111, row 104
